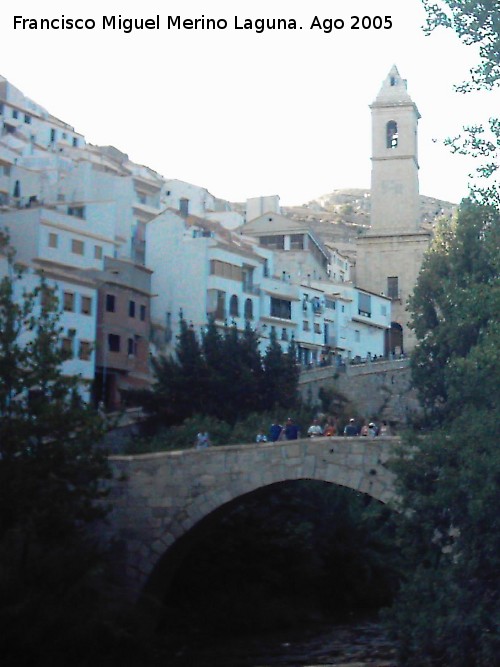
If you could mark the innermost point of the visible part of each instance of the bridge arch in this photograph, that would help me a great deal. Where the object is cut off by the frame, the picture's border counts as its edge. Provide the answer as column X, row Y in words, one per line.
column 158, row 498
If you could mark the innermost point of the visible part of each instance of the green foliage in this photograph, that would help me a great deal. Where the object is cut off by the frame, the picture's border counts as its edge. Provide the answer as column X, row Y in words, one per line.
column 475, row 23
column 448, row 611
column 222, row 376
column 183, row 436
column 448, row 480
column 454, row 313
column 50, row 476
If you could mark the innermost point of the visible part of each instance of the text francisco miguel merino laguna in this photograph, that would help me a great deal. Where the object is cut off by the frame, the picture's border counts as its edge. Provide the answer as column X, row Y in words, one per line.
column 128, row 25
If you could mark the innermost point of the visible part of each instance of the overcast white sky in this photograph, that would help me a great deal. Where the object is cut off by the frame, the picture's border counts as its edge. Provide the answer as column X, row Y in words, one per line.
column 246, row 114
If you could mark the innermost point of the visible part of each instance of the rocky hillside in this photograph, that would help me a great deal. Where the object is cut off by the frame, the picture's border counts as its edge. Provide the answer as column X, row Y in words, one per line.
column 339, row 217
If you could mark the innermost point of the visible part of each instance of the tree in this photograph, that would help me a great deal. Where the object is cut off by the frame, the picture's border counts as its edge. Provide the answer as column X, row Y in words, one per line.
column 222, row 375
column 454, row 307
column 476, row 23
column 448, row 609
column 50, row 471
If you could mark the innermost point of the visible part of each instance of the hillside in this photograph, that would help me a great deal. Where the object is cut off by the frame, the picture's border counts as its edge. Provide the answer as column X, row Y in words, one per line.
column 340, row 216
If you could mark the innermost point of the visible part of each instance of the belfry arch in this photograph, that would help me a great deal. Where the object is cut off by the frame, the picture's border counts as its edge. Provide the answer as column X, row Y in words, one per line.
column 391, row 134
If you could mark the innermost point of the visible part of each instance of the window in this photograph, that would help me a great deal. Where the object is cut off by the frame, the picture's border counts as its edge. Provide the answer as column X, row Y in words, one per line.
column 113, row 343
column 297, row 242
column 249, row 309
column 330, row 303
column 110, row 303
column 68, row 301
column 281, row 308
column 130, row 347
column 53, row 240
column 15, row 113
column 84, row 350
column 184, row 207
column 46, row 295
column 317, row 327
column 75, row 142
column 225, row 270
column 52, row 135
column 77, row 211
column 27, row 119
column 77, row 247
column 86, row 305
column 143, row 313
column 233, row 306
column 392, row 134
column 393, row 287
column 131, row 308
column 284, row 334
column 364, row 304
column 67, row 347
column 97, row 252
column 273, row 242
column 305, row 325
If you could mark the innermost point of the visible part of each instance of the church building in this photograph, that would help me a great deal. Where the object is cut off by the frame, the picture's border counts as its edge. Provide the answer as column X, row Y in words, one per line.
column 390, row 255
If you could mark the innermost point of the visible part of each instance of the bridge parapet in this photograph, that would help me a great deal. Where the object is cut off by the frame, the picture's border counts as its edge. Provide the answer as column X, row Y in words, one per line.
column 157, row 498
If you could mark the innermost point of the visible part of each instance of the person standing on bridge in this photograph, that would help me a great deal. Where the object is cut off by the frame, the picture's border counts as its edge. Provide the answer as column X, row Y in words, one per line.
column 314, row 430
column 292, row 431
column 275, row 431
column 351, row 429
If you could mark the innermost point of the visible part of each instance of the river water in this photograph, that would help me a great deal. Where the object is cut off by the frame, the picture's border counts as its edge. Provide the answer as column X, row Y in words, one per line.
column 360, row 644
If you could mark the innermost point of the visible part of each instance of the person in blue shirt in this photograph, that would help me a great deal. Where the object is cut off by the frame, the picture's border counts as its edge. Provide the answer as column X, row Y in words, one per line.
column 275, row 431
column 292, row 431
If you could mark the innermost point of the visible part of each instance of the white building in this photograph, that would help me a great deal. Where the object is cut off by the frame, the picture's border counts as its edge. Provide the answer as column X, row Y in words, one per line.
column 299, row 254
column 77, row 299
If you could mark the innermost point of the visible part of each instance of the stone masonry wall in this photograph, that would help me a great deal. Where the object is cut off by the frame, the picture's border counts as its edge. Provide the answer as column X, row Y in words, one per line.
column 376, row 390
column 157, row 498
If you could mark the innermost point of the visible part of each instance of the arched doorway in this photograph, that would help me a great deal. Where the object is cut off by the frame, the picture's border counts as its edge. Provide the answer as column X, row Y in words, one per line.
column 394, row 339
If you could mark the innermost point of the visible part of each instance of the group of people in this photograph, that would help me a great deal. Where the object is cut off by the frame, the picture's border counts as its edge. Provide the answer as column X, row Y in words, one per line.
column 370, row 430
column 330, row 427
column 290, row 431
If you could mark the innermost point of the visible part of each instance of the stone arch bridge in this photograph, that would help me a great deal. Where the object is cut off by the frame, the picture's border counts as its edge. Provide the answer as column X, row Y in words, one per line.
column 160, row 500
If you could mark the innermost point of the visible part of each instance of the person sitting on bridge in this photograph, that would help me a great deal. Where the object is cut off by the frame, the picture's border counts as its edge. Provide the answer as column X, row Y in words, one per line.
column 202, row 440
column 314, row 430
column 351, row 429
column 261, row 436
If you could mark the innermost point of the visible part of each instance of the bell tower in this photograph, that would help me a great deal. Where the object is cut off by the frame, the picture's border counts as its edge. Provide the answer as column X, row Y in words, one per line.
column 394, row 186
column 389, row 255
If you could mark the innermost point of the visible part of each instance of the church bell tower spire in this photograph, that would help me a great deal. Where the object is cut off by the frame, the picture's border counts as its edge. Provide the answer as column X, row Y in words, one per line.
column 394, row 188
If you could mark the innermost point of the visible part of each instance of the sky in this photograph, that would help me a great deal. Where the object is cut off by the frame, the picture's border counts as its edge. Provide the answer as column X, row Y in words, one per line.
column 244, row 113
